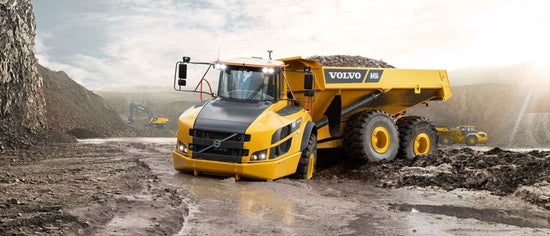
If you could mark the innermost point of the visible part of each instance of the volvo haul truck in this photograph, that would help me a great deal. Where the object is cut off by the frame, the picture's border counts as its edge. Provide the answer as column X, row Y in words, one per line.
column 269, row 117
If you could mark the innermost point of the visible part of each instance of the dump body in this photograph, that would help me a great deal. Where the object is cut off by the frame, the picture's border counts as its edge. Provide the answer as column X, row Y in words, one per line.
column 403, row 89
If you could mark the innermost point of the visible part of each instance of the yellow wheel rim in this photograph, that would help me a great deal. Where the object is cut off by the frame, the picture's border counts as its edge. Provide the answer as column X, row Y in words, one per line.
column 472, row 141
column 380, row 139
column 422, row 144
column 445, row 141
column 310, row 166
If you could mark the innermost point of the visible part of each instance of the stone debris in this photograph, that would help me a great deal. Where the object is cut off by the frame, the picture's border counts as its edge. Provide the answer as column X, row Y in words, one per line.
column 350, row 61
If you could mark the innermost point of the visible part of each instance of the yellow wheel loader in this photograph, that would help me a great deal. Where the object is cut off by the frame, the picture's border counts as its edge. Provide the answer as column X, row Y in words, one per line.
column 269, row 117
column 466, row 134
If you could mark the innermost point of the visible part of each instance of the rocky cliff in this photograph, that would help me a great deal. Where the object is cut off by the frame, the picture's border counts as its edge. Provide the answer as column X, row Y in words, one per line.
column 21, row 98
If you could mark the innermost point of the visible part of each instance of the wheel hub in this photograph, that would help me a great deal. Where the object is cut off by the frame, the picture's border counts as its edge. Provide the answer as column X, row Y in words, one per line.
column 380, row 139
column 310, row 166
column 421, row 144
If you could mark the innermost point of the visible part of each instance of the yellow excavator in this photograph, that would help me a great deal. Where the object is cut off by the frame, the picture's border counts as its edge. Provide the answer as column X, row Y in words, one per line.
column 269, row 117
column 153, row 121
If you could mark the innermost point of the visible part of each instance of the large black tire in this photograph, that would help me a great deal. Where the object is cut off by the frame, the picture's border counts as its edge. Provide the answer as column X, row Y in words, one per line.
column 471, row 140
column 445, row 140
column 308, row 160
column 417, row 136
column 371, row 135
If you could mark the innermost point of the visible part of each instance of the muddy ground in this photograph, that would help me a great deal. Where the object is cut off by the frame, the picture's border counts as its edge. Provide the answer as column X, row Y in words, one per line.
column 128, row 187
column 524, row 174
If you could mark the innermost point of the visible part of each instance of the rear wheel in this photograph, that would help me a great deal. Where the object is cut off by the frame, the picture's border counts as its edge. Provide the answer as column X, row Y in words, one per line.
column 417, row 136
column 308, row 160
column 471, row 140
column 371, row 135
column 446, row 140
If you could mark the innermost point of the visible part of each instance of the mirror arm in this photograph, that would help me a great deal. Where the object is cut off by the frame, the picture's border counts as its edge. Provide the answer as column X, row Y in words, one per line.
column 204, row 75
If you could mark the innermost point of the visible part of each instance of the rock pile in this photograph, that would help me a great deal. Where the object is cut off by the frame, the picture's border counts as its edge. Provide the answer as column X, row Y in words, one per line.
column 350, row 61
column 71, row 108
column 77, row 111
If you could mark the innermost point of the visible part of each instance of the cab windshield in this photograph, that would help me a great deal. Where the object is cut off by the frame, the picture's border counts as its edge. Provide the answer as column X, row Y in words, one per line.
column 247, row 84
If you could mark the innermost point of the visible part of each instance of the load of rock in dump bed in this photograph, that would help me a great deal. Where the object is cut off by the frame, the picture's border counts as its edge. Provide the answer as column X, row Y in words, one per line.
column 350, row 61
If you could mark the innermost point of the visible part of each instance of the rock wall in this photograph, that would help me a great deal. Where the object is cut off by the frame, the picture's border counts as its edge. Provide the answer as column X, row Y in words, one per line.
column 21, row 97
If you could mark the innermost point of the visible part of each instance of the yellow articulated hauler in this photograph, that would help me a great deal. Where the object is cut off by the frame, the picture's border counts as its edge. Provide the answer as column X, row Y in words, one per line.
column 269, row 117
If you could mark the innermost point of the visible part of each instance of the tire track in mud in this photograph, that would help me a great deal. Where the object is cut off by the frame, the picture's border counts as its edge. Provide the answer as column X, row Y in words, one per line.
column 157, row 209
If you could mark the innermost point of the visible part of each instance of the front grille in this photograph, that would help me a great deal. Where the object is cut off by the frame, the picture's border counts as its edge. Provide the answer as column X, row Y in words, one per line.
column 218, row 146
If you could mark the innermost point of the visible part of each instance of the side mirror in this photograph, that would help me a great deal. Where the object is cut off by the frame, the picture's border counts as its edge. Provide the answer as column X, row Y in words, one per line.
column 182, row 82
column 308, row 81
column 308, row 85
column 182, row 71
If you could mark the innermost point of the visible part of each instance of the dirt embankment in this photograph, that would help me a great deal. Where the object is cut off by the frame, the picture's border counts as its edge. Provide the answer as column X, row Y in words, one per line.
column 526, row 175
column 71, row 108
column 77, row 111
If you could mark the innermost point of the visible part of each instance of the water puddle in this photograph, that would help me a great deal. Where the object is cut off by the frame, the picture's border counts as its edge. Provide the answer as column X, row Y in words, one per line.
column 240, row 197
column 509, row 217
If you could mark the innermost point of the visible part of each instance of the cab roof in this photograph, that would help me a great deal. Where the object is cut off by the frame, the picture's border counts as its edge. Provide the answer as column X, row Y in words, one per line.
column 252, row 61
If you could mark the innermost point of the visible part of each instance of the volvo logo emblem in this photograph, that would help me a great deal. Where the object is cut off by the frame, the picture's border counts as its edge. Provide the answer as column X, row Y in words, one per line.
column 217, row 143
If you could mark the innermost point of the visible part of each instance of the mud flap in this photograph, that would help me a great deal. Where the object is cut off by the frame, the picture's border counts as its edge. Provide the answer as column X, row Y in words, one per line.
column 310, row 127
column 334, row 116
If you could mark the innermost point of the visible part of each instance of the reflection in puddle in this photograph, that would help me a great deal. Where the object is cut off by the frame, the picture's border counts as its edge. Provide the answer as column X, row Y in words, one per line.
column 253, row 203
column 509, row 217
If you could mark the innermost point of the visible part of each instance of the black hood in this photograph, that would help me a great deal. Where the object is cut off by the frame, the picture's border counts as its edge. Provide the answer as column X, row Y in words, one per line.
column 229, row 116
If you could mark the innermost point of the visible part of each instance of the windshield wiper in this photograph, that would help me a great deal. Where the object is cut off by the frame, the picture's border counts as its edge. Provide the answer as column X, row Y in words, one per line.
column 255, row 92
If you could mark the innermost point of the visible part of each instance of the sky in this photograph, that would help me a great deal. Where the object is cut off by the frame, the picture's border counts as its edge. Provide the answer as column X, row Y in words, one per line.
column 120, row 43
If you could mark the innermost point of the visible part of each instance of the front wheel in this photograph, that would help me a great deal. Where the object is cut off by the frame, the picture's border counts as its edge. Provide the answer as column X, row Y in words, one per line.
column 446, row 140
column 308, row 160
column 471, row 140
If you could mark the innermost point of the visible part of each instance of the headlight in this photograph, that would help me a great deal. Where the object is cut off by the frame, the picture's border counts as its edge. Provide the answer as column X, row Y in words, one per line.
column 266, row 70
column 182, row 148
column 220, row 66
column 259, row 155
